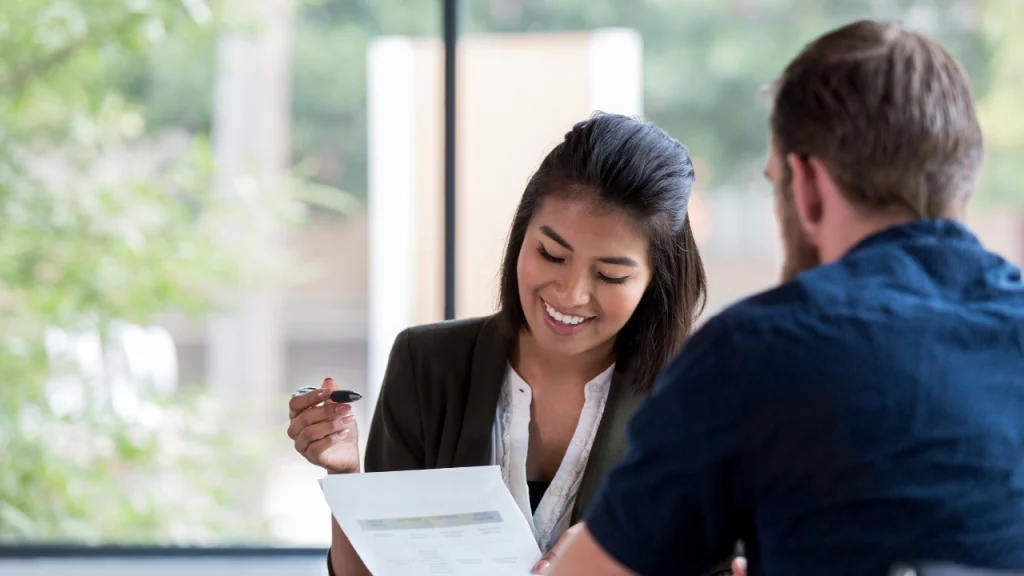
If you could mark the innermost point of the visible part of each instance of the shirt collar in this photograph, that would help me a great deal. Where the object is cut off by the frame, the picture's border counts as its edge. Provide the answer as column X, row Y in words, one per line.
column 929, row 231
column 595, row 390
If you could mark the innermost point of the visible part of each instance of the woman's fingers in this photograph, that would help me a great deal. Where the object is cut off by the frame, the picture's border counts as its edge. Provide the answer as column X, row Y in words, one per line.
column 739, row 566
column 316, row 415
column 320, row 413
column 320, row 430
column 307, row 400
column 316, row 424
column 315, row 449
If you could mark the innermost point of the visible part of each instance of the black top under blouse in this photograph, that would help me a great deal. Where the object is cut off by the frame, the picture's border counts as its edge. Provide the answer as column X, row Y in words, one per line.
column 537, row 490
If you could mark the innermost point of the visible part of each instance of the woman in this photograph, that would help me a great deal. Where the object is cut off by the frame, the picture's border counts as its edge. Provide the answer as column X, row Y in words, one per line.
column 600, row 285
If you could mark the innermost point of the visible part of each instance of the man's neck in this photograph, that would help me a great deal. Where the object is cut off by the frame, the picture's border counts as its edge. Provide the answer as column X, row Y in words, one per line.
column 859, row 228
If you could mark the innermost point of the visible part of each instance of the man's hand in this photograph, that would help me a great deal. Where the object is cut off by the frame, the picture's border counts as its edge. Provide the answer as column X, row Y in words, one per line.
column 544, row 566
column 581, row 555
column 577, row 553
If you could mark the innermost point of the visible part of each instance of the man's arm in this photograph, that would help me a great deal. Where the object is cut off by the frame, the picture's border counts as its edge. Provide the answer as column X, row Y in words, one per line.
column 583, row 556
column 669, row 507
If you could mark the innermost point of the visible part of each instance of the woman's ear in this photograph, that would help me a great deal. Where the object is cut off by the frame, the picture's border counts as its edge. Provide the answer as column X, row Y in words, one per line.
column 807, row 198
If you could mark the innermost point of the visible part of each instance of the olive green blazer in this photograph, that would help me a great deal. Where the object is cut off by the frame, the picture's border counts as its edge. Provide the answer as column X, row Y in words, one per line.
column 439, row 399
column 440, row 395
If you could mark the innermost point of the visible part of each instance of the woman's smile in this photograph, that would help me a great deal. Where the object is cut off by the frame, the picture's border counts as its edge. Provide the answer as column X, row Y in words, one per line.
column 562, row 323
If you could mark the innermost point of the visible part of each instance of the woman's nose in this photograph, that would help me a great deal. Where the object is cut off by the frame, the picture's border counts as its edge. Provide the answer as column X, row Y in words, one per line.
column 575, row 288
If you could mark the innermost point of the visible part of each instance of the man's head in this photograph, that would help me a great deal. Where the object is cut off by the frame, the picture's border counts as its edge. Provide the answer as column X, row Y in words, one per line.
column 872, row 126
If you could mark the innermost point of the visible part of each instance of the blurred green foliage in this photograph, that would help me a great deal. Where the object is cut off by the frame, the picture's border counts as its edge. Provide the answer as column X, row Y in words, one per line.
column 1002, row 24
column 100, row 226
column 705, row 64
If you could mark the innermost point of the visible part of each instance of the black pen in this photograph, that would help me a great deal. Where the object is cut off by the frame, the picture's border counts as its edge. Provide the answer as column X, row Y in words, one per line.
column 339, row 396
column 345, row 396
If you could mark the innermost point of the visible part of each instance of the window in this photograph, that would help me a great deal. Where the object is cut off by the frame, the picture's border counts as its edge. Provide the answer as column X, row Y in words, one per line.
column 703, row 67
column 184, row 241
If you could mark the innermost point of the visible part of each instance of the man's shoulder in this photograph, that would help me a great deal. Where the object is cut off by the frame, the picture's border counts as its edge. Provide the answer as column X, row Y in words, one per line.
column 768, row 309
column 734, row 340
column 829, row 290
column 792, row 313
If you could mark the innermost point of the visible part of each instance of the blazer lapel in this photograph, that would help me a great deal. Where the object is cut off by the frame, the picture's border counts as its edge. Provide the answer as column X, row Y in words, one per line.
column 610, row 443
column 490, row 358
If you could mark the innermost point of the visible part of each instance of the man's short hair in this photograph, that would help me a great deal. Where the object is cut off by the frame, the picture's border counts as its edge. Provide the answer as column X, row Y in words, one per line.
column 889, row 112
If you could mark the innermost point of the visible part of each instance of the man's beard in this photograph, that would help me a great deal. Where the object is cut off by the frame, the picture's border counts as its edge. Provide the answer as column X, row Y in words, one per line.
column 799, row 254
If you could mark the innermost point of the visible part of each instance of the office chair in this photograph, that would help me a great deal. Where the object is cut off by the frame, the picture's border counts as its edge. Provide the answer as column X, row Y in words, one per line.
column 926, row 569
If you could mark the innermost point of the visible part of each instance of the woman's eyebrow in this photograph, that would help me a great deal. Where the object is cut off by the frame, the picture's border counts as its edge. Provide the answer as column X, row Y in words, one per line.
column 619, row 261
column 547, row 231
column 616, row 260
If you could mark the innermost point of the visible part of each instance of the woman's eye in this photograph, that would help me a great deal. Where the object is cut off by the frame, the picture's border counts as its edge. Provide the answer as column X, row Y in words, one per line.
column 544, row 253
column 556, row 260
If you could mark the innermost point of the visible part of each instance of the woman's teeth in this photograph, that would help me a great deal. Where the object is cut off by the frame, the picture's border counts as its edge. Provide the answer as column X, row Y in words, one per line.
column 563, row 318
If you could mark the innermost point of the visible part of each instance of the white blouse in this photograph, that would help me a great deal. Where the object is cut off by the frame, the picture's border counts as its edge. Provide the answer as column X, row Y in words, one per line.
column 510, row 441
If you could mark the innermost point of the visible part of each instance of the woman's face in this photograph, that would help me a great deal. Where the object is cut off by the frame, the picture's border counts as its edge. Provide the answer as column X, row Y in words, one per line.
column 582, row 270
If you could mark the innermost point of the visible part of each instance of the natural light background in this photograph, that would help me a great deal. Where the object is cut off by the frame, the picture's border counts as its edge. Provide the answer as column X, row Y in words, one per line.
column 183, row 226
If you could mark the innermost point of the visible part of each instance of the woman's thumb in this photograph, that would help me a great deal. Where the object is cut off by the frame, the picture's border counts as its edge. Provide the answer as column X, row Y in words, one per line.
column 329, row 384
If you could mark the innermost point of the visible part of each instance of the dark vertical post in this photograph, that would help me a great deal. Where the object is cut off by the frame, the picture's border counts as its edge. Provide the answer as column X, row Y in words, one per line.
column 451, row 34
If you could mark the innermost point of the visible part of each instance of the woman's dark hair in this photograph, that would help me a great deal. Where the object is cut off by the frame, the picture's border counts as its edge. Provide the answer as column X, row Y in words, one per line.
column 636, row 167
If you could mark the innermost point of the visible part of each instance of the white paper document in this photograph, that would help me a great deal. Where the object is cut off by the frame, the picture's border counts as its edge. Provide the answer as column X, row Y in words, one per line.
column 455, row 521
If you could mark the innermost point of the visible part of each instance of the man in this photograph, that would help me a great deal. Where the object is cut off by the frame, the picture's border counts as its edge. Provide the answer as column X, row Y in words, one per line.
column 870, row 410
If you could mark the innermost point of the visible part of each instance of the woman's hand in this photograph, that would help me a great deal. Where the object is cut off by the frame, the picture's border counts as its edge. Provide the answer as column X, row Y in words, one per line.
column 544, row 565
column 325, row 433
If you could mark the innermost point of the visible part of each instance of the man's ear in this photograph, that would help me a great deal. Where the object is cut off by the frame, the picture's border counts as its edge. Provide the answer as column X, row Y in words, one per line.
column 804, row 183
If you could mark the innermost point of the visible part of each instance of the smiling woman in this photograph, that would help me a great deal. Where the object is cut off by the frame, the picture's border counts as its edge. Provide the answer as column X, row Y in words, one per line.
column 601, row 283
column 602, row 235
column 583, row 289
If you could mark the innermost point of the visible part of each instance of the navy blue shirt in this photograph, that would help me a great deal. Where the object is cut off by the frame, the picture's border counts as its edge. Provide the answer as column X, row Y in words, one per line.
column 869, row 412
